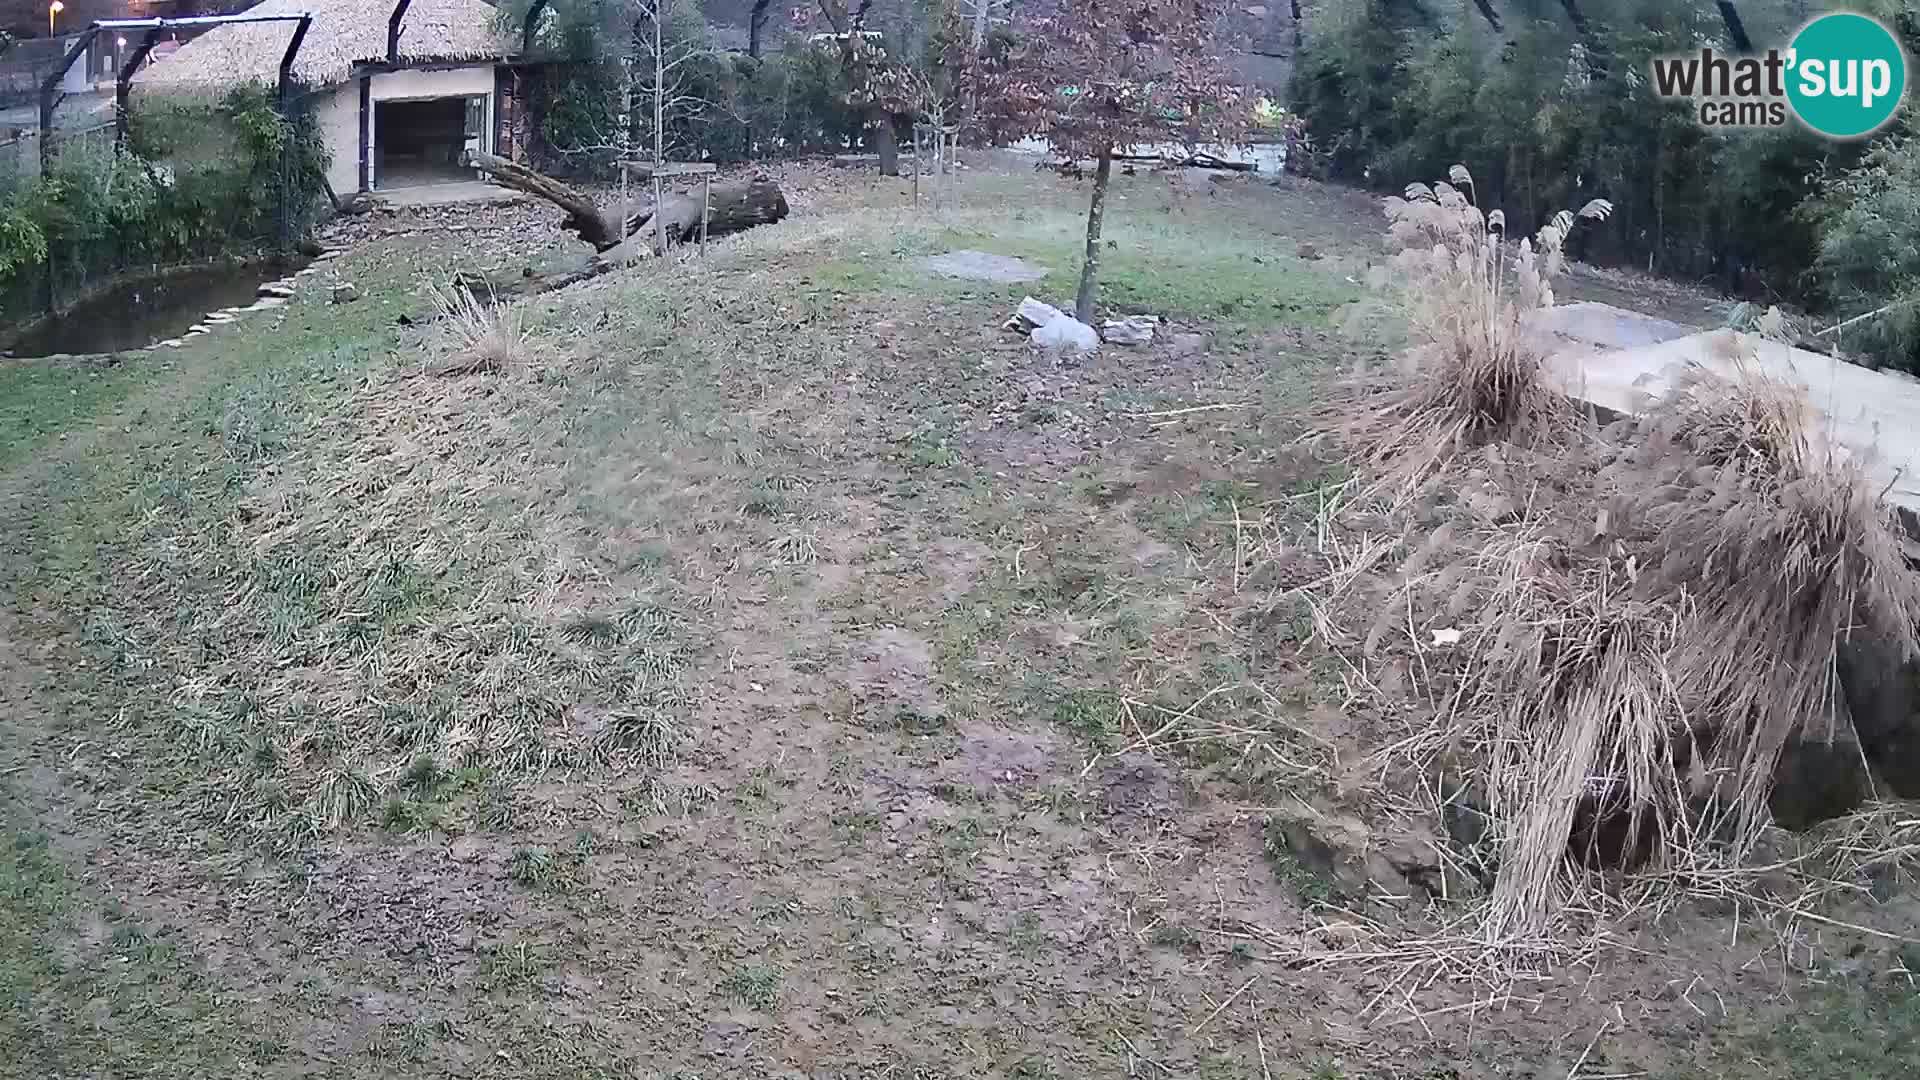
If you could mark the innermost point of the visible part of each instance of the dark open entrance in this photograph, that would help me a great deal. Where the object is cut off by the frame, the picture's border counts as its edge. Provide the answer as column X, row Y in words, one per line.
column 420, row 142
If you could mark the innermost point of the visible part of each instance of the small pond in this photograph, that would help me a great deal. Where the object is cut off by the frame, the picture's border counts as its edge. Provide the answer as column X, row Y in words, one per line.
column 138, row 312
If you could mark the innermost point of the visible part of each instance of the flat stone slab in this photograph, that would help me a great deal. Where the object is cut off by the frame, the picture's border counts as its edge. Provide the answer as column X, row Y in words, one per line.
column 1866, row 413
column 1605, row 327
column 983, row 266
column 459, row 191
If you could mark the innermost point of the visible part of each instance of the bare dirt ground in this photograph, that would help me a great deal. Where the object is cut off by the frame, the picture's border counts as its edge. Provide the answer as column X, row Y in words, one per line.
column 782, row 672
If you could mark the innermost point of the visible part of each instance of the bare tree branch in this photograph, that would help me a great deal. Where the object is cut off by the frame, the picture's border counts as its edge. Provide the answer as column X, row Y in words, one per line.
column 1736, row 30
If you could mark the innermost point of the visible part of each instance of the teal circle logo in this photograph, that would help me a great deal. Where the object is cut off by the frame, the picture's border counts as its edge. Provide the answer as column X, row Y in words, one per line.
column 1846, row 75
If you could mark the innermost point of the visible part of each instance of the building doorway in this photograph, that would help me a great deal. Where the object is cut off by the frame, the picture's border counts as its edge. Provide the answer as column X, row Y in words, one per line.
column 421, row 141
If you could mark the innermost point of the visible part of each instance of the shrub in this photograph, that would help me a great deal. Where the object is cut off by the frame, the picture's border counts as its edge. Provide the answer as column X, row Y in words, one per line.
column 1473, row 367
column 1547, row 119
column 482, row 336
column 1869, row 251
column 1782, row 544
column 199, row 178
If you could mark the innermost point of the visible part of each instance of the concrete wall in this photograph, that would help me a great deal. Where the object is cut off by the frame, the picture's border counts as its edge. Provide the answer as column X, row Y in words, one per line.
column 454, row 82
column 338, row 116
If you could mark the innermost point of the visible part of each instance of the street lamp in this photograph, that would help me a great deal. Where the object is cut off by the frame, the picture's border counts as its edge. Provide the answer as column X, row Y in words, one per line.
column 53, row 9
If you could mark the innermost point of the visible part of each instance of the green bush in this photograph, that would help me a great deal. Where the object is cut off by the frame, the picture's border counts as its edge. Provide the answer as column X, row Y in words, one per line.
column 735, row 108
column 1545, row 117
column 198, row 178
column 1869, row 250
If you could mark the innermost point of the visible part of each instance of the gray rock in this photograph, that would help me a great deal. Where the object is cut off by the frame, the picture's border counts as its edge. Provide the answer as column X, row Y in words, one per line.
column 1883, row 696
column 1033, row 314
column 277, row 290
column 1350, row 860
column 1132, row 330
column 345, row 292
column 1065, row 336
column 983, row 266
column 1187, row 344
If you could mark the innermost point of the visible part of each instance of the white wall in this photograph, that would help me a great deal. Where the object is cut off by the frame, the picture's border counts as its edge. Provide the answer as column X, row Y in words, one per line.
column 338, row 118
column 453, row 82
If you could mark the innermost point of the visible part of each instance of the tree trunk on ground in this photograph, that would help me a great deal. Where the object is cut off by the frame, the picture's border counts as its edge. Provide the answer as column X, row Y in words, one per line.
column 1090, row 273
column 1487, row 12
column 736, row 205
column 884, row 141
column 584, row 218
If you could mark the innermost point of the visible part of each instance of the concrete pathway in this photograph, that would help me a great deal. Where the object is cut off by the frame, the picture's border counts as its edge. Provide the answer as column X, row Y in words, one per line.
column 463, row 191
column 1619, row 360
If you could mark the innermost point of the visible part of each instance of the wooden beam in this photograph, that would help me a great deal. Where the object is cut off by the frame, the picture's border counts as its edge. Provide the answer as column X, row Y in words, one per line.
column 366, row 132
column 394, row 22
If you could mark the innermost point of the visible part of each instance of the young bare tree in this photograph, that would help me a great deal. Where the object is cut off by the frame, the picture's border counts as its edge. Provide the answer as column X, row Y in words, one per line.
column 1098, row 77
column 646, row 50
column 861, row 57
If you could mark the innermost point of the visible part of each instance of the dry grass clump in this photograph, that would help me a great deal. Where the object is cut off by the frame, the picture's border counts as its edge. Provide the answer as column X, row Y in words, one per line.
column 1635, row 650
column 402, row 610
column 1472, row 373
column 1568, row 706
column 1782, row 544
column 485, row 336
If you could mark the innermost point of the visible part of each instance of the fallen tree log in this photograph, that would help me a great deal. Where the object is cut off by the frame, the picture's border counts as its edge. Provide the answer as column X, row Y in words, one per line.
column 735, row 205
column 732, row 207
column 584, row 218
column 505, row 287
column 1194, row 161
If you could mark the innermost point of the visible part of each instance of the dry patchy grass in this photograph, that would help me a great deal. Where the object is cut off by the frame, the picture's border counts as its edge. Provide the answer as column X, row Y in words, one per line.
column 772, row 664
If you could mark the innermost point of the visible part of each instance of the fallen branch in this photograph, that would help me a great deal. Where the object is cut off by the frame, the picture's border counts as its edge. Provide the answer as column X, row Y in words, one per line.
column 584, row 218
column 732, row 207
column 1165, row 413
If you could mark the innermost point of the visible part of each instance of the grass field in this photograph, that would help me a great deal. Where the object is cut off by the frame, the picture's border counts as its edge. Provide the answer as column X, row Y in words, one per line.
column 754, row 679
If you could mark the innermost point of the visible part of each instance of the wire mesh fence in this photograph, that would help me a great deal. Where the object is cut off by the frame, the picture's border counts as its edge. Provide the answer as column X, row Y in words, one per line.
column 196, row 178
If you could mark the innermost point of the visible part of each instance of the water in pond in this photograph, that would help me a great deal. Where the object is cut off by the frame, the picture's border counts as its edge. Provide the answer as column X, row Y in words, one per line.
column 138, row 312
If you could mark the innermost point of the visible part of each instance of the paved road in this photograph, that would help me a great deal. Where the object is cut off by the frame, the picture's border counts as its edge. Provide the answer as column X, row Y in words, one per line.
column 75, row 111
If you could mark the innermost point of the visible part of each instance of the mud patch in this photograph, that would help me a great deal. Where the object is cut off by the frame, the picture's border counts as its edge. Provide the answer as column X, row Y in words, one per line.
column 992, row 757
column 954, row 563
column 1137, row 786
column 983, row 266
column 891, row 680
